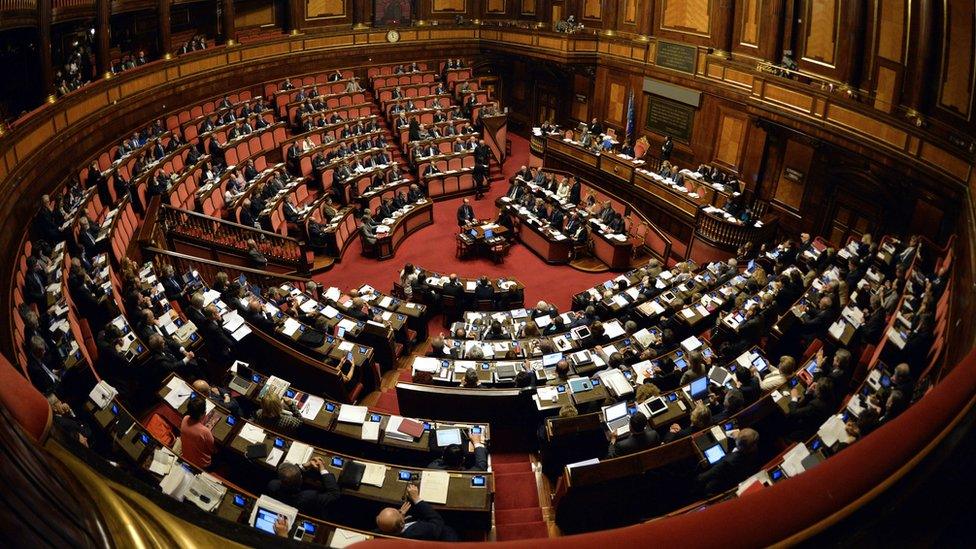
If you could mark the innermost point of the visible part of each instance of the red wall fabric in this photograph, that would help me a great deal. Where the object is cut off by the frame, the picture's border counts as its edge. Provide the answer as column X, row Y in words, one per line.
column 797, row 504
column 27, row 406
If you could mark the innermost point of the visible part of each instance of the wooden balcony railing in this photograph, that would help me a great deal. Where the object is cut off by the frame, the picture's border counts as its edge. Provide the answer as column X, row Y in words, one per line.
column 226, row 242
column 727, row 235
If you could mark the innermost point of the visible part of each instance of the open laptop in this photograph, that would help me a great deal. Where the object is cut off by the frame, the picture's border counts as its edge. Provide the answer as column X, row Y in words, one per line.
column 698, row 388
column 616, row 416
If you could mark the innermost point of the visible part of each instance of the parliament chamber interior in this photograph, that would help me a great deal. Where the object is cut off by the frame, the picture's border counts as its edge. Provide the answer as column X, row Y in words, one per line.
column 537, row 273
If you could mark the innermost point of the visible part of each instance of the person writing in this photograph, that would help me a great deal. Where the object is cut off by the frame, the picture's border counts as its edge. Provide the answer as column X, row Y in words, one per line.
column 415, row 519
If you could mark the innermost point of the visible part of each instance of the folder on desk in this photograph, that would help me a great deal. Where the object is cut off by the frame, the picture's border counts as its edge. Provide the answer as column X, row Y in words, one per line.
column 352, row 414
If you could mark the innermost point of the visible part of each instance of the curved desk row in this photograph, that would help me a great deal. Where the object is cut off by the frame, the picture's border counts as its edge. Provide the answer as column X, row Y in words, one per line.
column 419, row 216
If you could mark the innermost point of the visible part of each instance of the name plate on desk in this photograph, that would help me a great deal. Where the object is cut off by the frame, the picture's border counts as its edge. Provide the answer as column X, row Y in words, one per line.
column 574, row 151
column 615, row 167
column 669, row 117
column 675, row 56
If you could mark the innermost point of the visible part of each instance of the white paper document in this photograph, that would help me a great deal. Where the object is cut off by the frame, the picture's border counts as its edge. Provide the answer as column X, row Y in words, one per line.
column 433, row 486
column 352, row 414
column 374, row 475
column 371, row 431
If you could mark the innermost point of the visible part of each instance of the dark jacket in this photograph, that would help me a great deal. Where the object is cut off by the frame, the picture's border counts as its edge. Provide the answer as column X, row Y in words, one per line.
column 423, row 522
column 309, row 502
column 632, row 443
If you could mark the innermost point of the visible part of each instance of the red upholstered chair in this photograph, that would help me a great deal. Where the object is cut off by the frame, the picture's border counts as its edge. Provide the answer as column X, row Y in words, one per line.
column 467, row 161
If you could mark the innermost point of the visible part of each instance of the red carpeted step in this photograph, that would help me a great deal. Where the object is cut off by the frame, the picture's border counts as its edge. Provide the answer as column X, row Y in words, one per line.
column 388, row 403
column 405, row 375
column 515, row 490
column 507, row 468
column 532, row 530
column 522, row 515
column 509, row 458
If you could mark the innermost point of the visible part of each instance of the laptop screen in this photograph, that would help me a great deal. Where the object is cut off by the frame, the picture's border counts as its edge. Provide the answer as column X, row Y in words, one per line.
column 489, row 233
column 699, row 388
column 616, row 411
column 714, row 454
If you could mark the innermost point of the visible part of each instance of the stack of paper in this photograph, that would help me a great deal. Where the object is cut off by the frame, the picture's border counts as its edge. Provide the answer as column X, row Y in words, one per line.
column 375, row 474
column 342, row 538
column 433, row 486
column 252, row 433
column 313, row 405
column 205, row 492
column 371, row 431
column 179, row 392
column 102, row 394
column 299, row 453
column 793, row 460
column 176, row 483
column 163, row 460
column 291, row 327
column 834, row 430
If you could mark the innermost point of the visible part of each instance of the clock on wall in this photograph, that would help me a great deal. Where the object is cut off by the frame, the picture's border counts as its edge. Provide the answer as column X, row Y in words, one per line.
column 393, row 36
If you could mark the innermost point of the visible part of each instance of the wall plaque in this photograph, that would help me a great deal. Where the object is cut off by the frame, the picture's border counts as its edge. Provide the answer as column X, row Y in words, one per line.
column 679, row 57
column 669, row 117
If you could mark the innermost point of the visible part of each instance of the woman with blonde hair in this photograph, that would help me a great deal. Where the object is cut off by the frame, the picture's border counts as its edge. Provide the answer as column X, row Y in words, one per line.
column 277, row 414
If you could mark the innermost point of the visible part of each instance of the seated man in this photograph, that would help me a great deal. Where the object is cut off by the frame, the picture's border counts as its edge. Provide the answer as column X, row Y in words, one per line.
column 735, row 466
column 287, row 488
column 415, row 519
column 639, row 438
column 453, row 458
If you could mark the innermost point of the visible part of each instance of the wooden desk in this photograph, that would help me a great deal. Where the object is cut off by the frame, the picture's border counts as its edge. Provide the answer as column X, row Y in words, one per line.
column 615, row 253
column 417, row 218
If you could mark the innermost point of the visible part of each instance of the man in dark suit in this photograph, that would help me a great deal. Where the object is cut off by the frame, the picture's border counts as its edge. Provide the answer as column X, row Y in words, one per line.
column 809, row 410
column 44, row 375
column 465, row 213
column 288, row 487
column 574, row 191
column 453, row 288
column 639, row 438
column 257, row 258
column 557, row 218
column 415, row 519
column 735, row 466
column 595, row 127
column 484, row 290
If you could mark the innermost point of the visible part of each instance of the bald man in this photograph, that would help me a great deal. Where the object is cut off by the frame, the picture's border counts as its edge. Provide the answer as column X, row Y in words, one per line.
column 415, row 519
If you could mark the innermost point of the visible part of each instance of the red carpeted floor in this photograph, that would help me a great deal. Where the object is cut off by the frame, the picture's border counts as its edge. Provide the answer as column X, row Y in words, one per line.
column 433, row 248
column 517, row 511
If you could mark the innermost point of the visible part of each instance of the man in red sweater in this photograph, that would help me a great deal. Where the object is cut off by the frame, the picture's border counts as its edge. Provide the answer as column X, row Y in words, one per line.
column 197, row 440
